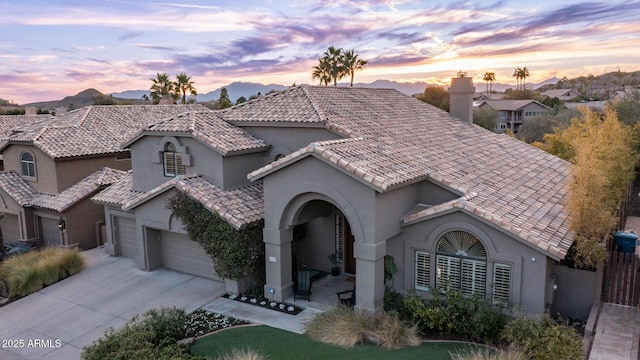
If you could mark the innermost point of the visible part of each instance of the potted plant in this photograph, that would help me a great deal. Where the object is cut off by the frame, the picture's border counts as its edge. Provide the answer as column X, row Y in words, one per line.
column 335, row 269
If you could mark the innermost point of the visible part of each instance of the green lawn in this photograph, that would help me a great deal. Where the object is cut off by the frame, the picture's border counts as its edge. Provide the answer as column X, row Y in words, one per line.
column 279, row 344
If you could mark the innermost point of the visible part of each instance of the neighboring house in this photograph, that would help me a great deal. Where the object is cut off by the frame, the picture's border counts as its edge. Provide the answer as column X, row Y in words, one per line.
column 52, row 167
column 512, row 113
column 562, row 94
column 367, row 173
column 484, row 96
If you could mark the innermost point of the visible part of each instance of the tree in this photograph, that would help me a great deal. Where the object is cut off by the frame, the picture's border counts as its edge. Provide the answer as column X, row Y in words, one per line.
column 322, row 72
column 224, row 101
column 628, row 107
column 489, row 77
column 486, row 118
column 161, row 88
column 335, row 61
column 436, row 96
column 241, row 100
column 524, row 74
column 517, row 73
column 184, row 85
column 352, row 63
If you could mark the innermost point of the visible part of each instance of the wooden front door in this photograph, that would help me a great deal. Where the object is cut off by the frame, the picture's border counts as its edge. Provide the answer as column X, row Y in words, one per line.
column 349, row 260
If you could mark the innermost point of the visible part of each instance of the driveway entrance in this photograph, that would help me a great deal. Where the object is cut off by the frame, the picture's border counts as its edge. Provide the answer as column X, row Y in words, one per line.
column 58, row 321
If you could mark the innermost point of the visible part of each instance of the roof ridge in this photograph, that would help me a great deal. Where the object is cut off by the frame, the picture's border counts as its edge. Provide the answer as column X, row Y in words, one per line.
column 321, row 115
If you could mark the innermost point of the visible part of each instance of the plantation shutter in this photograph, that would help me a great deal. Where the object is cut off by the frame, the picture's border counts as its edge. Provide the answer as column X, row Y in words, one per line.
column 180, row 168
column 448, row 276
column 501, row 283
column 169, row 163
column 340, row 238
column 422, row 271
column 474, row 277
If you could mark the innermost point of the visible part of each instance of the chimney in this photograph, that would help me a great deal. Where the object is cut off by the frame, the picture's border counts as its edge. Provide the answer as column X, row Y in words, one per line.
column 461, row 97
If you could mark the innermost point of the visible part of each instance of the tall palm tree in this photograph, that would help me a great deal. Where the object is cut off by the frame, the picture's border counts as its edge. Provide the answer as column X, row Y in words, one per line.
column 322, row 72
column 352, row 63
column 335, row 61
column 516, row 74
column 183, row 85
column 161, row 87
column 524, row 75
column 489, row 77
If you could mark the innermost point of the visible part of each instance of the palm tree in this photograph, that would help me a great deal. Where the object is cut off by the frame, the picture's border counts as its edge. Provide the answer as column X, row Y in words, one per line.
column 524, row 75
column 183, row 85
column 516, row 74
column 352, row 63
column 335, row 62
column 489, row 77
column 161, row 87
column 322, row 72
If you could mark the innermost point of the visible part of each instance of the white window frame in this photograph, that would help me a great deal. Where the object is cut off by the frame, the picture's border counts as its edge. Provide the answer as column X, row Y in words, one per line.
column 422, row 270
column 28, row 165
column 172, row 161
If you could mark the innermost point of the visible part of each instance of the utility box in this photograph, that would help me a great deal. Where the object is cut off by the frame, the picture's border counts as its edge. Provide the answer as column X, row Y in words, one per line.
column 626, row 241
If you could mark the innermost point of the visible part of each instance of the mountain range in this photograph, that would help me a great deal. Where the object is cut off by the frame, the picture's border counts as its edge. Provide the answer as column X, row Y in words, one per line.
column 236, row 90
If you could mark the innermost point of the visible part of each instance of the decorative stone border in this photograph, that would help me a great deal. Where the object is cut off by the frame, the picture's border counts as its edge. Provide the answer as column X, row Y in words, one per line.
column 265, row 303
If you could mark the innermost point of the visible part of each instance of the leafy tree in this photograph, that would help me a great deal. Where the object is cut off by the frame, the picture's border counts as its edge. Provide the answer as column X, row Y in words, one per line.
column 184, row 85
column 352, row 63
column 486, row 118
column 162, row 87
column 436, row 96
column 489, row 77
column 604, row 157
column 533, row 130
column 103, row 100
column 224, row 101
column 628, row 108
column 241, row 100
column 322, row 72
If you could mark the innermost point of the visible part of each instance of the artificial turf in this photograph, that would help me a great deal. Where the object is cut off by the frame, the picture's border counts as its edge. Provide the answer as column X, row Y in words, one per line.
column 282, row 345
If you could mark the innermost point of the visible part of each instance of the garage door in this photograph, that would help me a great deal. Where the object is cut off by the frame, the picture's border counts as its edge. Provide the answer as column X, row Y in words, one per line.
column 10, row 227
column 182, row 254
column 49, row 232
column 126, row 237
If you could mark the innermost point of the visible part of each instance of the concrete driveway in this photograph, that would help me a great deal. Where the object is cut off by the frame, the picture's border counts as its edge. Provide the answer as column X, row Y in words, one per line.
column 58, row 321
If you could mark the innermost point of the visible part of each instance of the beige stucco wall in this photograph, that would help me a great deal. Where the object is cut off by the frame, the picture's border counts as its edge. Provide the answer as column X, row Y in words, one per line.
column 45, row 180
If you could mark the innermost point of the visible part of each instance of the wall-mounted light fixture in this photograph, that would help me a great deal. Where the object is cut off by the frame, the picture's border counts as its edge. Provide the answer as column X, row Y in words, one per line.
column 62, row 226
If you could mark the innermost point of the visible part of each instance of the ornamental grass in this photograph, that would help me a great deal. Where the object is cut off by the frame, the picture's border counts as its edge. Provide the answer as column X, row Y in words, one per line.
column 29, row 272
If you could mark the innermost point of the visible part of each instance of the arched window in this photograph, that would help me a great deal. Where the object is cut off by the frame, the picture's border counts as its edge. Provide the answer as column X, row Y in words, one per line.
column 461, row 263
column 172, row 161
column 28, row 164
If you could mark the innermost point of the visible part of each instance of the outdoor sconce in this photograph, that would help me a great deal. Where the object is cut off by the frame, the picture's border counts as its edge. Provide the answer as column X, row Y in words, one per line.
column 62, row 226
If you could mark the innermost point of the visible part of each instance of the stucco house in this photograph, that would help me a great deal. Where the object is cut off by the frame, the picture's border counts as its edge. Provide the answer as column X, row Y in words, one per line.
column 9, row 123
column 53, row 167
column 512, row 113
column 367, row 173
column 562, row 94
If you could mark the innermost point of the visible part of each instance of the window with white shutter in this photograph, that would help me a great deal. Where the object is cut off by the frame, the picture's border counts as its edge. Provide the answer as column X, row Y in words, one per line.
column 340, row 237
column 172, row 161
column 422, row 277
column 501, row 284
column 461, row 263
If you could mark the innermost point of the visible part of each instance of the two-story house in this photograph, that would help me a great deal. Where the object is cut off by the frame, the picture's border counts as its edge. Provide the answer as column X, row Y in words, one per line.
column 562, row 94
column 367, row 173
column 512, row 113
column 53, row 167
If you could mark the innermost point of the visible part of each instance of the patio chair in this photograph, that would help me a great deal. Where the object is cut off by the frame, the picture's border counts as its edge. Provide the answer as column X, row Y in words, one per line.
column 347, row 297
column 302, row 285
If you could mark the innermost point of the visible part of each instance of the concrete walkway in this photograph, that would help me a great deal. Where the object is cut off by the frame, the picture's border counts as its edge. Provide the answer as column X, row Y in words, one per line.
column 617, row 334
column 58, row 321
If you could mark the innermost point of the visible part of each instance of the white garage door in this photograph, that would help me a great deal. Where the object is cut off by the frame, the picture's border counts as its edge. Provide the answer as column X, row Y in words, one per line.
column 49, row 232
column 126, row 237
column 10, row 227
column 182, row 254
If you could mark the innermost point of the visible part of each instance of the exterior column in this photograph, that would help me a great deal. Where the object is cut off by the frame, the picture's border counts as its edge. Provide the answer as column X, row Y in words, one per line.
column 370, row 276
column 277, row 248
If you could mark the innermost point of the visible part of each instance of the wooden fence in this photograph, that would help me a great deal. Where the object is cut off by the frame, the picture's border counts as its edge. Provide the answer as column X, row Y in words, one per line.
column 622, row 279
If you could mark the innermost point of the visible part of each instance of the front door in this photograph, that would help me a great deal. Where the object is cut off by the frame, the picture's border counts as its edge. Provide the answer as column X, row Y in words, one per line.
column 349, row 260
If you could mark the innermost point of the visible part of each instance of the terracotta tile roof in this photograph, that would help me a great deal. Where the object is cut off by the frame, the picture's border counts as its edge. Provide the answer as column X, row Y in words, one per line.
column 395, row 140
column 16, row 187
column 208, row 127
column 118, row 193
column 9, row 124
column 96, row 130
column 510, row 105
column 79, row 191
column 239, row 207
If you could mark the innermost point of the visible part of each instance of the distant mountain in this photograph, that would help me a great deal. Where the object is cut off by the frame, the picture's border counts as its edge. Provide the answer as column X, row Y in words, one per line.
column 239, row 89
column 131, row 94
column 84, row 98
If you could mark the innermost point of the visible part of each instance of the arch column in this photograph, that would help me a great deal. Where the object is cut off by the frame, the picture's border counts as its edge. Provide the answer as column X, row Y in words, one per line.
column 370, row 276
column 277, row 248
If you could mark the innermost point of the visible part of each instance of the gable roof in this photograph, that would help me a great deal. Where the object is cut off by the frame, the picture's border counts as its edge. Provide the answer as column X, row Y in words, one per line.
column 95, row 130
column 25, row 195
column 10, row 124
column 393, row 140
column 209, row 128
column 239, row 207
column 511, row 105
column 559, row 93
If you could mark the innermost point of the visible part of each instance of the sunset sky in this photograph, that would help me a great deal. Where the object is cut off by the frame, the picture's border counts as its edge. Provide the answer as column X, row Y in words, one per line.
column 50, row 49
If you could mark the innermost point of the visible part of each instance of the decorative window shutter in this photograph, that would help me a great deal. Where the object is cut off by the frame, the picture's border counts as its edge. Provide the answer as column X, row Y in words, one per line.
column 422, row 271
column 339, row 237
column 501, row 283
column 169, row 163
column 448, row 275
column 474, row 277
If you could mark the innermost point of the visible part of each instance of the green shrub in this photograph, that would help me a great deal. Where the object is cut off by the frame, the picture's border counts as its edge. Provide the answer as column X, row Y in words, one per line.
column 543, row 339
column 152, row 336
column 29, row 272
column 453, row 313
column 512, row 353
column 345, row 327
